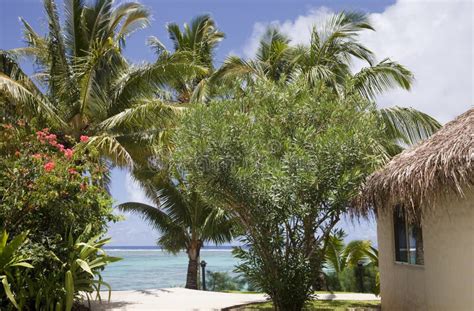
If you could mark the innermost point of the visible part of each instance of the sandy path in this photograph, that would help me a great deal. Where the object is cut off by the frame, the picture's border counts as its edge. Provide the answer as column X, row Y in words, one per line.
column 187, row 299
column 174, row 299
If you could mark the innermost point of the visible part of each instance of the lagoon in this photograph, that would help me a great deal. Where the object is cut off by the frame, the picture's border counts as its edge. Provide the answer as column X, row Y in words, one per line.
column 150, row 267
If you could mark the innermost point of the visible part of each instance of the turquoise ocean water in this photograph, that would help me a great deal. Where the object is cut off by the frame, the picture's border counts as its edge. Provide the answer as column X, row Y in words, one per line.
column 148, row 267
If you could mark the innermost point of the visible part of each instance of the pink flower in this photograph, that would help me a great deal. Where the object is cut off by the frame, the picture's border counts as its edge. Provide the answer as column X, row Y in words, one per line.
column 60, row 147
column 51, row 137
column 17, row 153
column 49, row 166
column 7, row 126
column 68, row 153
column 72, row 171
column 36, row 156
column 84, row 138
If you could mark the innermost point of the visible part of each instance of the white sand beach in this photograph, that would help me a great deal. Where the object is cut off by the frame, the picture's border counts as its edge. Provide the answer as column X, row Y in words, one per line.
column 187, row 299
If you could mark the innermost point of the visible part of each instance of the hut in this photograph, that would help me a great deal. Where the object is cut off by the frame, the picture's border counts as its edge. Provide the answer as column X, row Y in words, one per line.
column 424, row 203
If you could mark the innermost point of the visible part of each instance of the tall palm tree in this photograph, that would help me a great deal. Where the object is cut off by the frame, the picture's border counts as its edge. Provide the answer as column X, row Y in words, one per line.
column 185, row 220
column 327, row 60
column 198, row 41
column 84, row 85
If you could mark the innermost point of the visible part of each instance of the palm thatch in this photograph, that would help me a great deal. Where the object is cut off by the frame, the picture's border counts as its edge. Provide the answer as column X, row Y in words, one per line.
column 420, row 176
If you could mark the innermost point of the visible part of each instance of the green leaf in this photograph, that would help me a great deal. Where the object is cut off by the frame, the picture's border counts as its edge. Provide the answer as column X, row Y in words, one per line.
column 22, row 264
column 84, row 266
column 8, row 291
column 69, row 287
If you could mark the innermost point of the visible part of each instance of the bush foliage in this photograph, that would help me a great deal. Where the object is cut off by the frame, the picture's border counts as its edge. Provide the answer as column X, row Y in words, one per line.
column 52, row 189
column 287, row 162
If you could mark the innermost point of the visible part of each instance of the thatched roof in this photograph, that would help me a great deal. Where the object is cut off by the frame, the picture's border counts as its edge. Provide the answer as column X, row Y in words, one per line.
column 421, row 175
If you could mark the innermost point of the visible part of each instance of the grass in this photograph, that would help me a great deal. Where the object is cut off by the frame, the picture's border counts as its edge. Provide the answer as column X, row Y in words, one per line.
column 326, row 305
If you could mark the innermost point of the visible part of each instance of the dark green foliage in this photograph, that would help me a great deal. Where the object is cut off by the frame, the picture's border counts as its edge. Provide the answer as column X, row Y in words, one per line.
column 223, row 281
column 12, row 264
column 347, row 280
column 343, row 265
column 286, row 162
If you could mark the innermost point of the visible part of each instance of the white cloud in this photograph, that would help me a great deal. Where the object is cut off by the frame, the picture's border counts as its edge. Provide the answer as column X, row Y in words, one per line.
column 298, row 30
column 133, row 230
column 135, row 191
column 433, row 39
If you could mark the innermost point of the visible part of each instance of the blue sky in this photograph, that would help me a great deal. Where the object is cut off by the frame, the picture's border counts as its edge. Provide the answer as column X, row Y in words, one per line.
column 419, row 34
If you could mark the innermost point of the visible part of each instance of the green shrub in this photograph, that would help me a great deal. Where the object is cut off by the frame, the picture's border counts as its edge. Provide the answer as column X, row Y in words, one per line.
column 223, row 281
column 53, row 189
column 347, row 281
column 285, row 162
column 12, row 262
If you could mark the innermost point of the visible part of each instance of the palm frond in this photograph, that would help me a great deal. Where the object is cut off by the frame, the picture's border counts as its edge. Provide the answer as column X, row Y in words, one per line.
column 74, row 40
column 157, row 46
column 147, row 113
column 355, row 252
column 152, row 215
column 17, row 85
column 110, row 147
column 139, row 18
column 386, row 75
column 407, row 125
column 201, row 91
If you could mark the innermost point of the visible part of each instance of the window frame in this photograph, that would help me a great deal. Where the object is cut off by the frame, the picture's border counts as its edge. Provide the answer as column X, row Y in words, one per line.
column 400, row 209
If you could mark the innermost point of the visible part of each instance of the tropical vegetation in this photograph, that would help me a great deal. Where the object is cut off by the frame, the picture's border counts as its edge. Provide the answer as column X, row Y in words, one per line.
column 351, row 267
column 84, row 85
column 306, row 165
column 185, row 221
column 270, row 150
column 52, row 196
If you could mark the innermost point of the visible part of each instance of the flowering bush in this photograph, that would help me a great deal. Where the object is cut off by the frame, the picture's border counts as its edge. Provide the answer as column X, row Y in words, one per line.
column 54, row 188
column 44, row 181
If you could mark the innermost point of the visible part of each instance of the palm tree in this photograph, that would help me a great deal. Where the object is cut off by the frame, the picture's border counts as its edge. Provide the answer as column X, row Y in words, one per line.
column 198, row 41
column 340, row 256
column 185, row 220
column 327, row 61
column 274, row 61
column 84, row 84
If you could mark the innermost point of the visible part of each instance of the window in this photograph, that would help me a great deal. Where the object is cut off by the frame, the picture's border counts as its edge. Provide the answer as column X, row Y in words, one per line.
column 408, row 239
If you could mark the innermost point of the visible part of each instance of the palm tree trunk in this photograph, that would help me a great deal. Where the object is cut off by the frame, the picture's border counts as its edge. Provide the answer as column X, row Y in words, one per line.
column 193, row 265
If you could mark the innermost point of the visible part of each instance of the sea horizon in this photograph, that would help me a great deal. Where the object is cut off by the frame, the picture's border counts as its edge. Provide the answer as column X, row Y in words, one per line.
column 151, row 267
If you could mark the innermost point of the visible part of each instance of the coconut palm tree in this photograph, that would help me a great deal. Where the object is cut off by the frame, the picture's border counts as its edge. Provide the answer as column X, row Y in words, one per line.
column 340, row 256
column 198, row 40
column 327, row 60
column 274, row 60
column 84, row 85
column 185, row 220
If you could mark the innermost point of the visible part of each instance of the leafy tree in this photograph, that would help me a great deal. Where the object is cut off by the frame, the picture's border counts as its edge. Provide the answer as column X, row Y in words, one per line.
column 327, row 61
column 84, row 85
column 275, row 159
column 185, row 220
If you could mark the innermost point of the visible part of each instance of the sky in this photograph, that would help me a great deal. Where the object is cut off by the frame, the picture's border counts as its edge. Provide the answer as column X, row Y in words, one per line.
column 433, row 38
